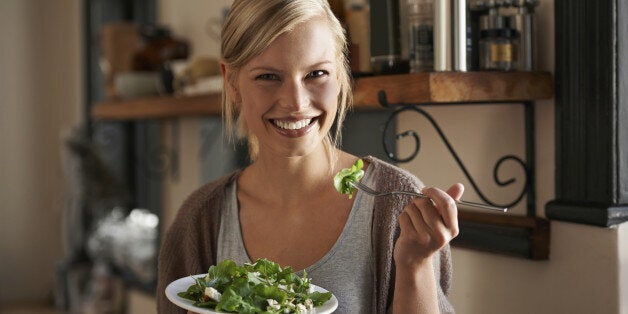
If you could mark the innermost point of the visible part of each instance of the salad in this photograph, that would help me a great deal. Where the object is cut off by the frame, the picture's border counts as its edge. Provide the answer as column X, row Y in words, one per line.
column 343, row 179
column 261, row 287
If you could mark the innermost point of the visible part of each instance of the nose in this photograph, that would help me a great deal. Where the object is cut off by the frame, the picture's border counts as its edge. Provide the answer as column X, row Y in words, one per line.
column 293, row 95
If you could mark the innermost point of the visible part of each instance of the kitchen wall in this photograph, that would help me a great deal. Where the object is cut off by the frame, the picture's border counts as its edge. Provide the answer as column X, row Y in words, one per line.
column 40, row 99
column 588, row 267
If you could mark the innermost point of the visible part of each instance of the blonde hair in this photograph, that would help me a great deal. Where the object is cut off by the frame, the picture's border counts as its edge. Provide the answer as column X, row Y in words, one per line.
column 250, row 27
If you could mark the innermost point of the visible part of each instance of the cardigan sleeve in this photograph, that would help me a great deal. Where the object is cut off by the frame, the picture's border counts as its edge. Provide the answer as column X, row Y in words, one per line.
column 188, row 247
column 178, row 257
column 386, row 231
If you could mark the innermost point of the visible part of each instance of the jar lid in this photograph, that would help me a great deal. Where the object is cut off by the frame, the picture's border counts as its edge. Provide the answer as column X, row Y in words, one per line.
column 489, row 21
column 499, row 32
column 425, row 7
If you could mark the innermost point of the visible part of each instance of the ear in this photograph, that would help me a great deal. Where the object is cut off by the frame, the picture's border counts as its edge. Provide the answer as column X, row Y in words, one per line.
column 227, row 77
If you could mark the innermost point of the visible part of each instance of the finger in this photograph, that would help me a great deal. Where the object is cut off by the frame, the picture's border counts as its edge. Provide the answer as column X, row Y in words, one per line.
column 441, row 233
column 417, row 223
column 446, row 206
column 456, row 191
column 404, row 222
column 432, row 218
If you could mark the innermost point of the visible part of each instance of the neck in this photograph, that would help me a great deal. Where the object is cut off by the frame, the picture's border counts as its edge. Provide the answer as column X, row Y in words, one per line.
column 289, row 181
column 303, row 170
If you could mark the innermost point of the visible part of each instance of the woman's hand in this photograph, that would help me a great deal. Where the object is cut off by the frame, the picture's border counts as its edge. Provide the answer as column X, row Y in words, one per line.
column 427, row 224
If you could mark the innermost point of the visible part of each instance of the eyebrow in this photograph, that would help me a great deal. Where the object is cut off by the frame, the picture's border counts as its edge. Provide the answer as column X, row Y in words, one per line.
column 272, row 69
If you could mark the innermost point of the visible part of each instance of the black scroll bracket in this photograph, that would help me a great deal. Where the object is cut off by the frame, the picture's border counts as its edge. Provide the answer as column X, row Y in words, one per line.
column 527, row 187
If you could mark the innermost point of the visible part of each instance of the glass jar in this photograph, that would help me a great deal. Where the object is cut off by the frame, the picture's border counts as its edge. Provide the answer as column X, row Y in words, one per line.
column 421, row 35
column 498, row 49
column 357, row 15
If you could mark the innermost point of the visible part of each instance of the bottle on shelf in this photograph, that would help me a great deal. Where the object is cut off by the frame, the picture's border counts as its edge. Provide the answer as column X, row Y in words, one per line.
column 498, row 48
column 442, row 35
column 523, row 22
column 452, row 35
column 421, row 35
column 357, row 19
column 498, row 44
column 385, row 38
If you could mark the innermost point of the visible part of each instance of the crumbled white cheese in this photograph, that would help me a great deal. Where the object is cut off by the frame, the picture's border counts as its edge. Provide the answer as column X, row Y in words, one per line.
column 309, row 304
column 302, row 309
column 286, row 288
column 212, row 293
column 273, row 305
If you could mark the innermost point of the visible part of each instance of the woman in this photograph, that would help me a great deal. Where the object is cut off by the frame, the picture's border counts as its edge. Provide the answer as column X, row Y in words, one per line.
column 286, row 81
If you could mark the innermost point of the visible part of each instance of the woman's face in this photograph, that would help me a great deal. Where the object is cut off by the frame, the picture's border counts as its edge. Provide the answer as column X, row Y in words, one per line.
column 289, row 93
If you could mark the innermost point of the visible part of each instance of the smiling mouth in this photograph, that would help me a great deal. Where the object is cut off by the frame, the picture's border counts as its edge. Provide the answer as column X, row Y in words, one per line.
column 292, row 125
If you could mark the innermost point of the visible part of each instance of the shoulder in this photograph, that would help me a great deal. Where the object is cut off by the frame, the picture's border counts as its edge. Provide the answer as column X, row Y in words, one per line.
column 391, row 177
column 208, row 194
column 388, row 177
column 200, row 212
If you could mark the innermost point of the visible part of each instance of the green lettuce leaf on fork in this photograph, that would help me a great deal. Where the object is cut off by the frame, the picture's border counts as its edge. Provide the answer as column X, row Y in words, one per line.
column 343, row 179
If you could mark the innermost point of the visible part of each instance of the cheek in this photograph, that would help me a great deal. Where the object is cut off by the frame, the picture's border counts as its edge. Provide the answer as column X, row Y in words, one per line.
column 254, row 100
column 333, row 101
column 328, row 96
column 250, row 111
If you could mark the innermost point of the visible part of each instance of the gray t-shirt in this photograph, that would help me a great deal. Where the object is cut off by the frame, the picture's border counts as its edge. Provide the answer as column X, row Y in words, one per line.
column 345, row 270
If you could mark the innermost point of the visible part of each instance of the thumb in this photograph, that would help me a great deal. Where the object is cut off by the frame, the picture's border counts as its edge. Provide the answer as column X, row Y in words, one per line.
column 456, row 191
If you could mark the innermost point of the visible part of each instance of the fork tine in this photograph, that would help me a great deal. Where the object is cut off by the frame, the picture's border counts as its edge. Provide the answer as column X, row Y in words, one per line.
column 364, row 187
column 359, row 186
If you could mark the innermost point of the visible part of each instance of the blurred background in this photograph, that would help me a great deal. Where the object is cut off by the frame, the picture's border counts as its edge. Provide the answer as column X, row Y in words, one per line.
column 86, row 198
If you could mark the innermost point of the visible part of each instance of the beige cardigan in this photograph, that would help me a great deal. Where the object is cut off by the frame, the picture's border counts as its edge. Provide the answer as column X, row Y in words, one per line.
column 189, row 246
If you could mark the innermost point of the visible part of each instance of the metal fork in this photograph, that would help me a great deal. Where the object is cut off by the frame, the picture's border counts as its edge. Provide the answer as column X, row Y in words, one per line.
column 368, row 190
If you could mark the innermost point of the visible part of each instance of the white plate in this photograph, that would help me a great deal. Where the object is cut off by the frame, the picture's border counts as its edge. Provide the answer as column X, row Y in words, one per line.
column 184, row 283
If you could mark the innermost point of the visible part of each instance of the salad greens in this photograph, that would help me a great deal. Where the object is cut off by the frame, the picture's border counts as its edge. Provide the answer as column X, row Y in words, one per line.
column 261, row 287
column 343, row 179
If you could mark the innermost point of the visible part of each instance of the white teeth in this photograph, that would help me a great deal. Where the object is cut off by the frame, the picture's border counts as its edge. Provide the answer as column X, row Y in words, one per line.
column 293, row 125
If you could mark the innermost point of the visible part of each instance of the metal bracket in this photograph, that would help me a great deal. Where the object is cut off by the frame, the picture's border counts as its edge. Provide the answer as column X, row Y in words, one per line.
column 526, row 236
column 416, row 108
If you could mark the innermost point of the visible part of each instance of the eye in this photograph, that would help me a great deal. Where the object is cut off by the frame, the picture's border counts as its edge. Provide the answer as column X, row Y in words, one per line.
column 267, row 77
column 317, row 73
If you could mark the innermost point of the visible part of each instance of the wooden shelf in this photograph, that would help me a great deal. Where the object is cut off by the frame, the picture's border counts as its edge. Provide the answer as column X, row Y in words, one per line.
column 157, row 107
column 521, row 236
column 434, row 87
column 455, row 87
